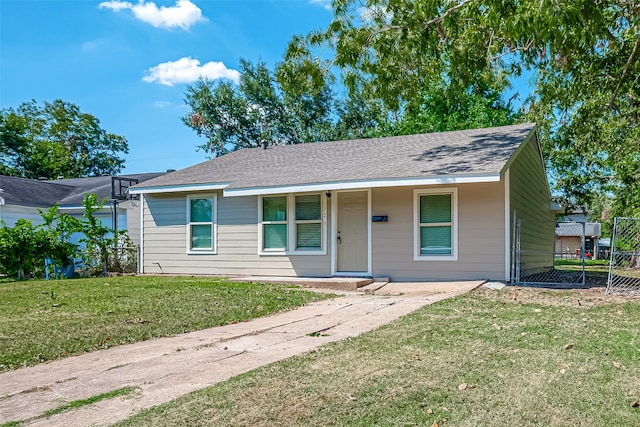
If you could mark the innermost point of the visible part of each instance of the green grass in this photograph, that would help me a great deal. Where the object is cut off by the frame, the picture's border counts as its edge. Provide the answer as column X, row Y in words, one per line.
column 47, row 320
column 598, row 267
column 124, row 391
column 587, row 262
column 521, row 357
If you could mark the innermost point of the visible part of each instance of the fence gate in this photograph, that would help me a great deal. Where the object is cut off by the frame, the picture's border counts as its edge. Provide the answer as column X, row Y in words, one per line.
column 624, row 264
column 547, row 253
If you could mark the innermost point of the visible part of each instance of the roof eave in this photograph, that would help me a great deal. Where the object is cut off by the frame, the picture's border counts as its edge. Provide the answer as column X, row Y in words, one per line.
column 354, row 185
column 520, row 148
column 179, row 188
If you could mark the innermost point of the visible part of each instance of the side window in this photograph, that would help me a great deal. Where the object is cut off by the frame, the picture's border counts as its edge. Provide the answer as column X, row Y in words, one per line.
column 201, row 223
column 436, row 225
column 274, row 223
column 308, row 222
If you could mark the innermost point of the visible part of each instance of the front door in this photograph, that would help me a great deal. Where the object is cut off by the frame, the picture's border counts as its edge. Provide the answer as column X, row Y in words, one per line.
column 352, row 232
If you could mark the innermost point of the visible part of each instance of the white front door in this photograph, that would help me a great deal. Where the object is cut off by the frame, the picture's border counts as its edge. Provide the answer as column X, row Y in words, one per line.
column 352, row 232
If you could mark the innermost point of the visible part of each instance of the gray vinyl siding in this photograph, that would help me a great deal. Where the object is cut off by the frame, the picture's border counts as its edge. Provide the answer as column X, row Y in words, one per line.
column 11, row 213
column 481, row 234
column 165, row 242
column 132, row 218
column 531, row 201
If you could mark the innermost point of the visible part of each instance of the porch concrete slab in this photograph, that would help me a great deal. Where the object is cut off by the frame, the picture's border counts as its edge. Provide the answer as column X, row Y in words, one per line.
column 164, row 369
column 333, row 283
column 426, row 288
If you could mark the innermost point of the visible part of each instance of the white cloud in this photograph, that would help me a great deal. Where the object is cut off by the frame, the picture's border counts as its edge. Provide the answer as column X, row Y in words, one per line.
column 183, row 14
column 115, row 5
column 188, row 70
column 324, row 3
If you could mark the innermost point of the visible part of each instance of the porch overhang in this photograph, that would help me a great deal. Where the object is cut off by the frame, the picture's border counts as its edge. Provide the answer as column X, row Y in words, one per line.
column 364, row 184
column 179, row 188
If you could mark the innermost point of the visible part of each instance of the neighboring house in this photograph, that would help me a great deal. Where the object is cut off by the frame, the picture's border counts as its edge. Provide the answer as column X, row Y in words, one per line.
column 420, row 207
column 569, row 239
column 577, row 215
column 21, row 198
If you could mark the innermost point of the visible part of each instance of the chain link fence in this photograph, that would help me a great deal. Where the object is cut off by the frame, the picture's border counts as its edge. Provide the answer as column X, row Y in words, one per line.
column 548, row 253
column 123, row 259
column 624, row 264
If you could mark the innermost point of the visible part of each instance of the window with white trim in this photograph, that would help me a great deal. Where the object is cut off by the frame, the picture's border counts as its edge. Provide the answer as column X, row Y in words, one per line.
column 292, row 224
column 201, row 224
column 274, row 223
column 308, row 222
column 436, row 224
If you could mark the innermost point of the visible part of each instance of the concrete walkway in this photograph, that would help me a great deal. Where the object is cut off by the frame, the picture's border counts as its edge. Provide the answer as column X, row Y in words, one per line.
column 164, row 369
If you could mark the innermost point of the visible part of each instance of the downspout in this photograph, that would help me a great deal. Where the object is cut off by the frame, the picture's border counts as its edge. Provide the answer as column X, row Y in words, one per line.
column 508, row 273
column 141, row 244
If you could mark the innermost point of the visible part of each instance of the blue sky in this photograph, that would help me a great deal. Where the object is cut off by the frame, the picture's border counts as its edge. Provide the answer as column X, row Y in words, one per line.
column 129, row 63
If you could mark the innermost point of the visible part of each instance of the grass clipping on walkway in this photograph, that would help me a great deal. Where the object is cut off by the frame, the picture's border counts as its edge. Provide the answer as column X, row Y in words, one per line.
column 521, row 357
column 46, row 320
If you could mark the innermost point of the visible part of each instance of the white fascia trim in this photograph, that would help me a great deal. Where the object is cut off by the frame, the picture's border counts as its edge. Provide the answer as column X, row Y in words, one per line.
column 179, row 188
column 355, row 185
column 507, row 228
column 106, row 207
column 141, row 249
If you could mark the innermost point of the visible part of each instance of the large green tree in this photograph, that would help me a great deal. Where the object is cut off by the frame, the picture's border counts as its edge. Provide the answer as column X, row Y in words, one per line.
column 57, row 139
column 257, row 111
column 298, row 103
column 583, row 55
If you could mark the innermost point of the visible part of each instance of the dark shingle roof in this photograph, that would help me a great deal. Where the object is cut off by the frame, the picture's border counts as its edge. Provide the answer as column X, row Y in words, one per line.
column 67, row 192
column 566, row 229
column 98, row 185
column 30, row 192
column 466, row 152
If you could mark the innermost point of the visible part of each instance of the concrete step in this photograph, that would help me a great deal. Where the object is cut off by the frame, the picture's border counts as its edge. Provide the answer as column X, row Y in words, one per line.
column 334, row 283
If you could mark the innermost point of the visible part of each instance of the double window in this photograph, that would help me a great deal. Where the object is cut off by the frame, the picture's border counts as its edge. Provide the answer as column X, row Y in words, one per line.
column 201, row 222
column 435, row 222
column 292, row 224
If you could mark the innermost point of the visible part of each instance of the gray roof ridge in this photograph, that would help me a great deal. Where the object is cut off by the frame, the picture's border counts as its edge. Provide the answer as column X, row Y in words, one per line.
column 472, row 151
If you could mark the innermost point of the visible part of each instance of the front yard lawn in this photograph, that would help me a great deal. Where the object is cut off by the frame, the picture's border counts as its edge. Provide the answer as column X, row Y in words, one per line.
column 46, row 320
column 516, row 357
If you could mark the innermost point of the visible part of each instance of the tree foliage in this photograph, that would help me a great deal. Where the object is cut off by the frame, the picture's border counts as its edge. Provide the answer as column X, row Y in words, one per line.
column 98, row 240
column 584, row 55
column 25, row 247
column 439, row 109
column 293, row 104
column 297, row 103
column 57, row 139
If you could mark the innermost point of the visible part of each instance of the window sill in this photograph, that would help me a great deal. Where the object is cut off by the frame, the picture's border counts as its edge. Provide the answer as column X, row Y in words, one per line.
column 290, row 253
column 435, row 258
column 203, row 252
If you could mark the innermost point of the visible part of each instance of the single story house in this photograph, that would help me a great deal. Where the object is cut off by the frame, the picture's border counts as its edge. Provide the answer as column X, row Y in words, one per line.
column 569, row 237
column 21, row 198
column 436, row 206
